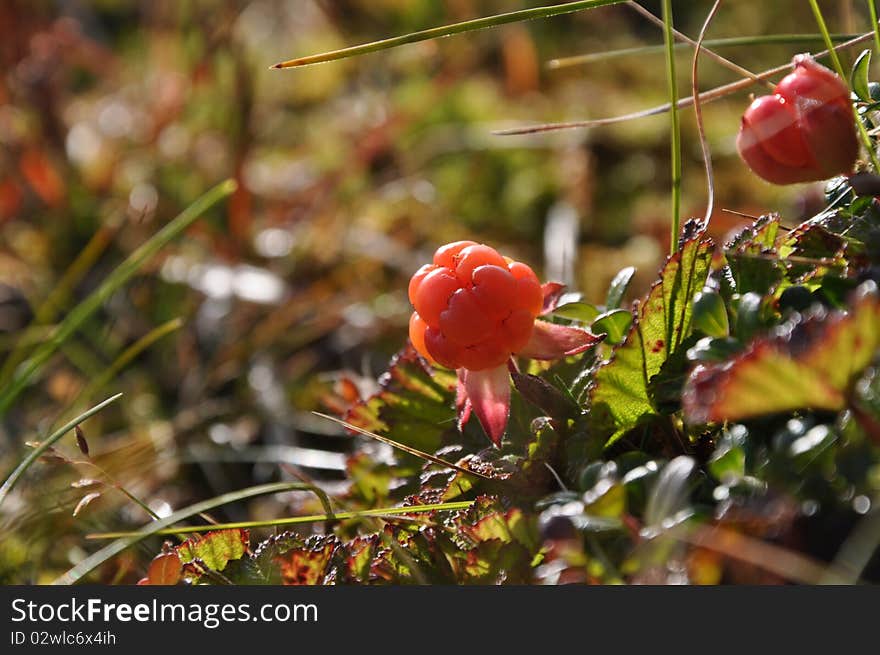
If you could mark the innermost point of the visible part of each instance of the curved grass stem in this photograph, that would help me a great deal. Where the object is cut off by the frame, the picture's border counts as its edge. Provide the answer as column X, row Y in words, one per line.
column 698, row 111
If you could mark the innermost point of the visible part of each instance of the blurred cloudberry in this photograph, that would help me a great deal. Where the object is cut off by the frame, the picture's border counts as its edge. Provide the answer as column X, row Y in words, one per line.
column 805, row 131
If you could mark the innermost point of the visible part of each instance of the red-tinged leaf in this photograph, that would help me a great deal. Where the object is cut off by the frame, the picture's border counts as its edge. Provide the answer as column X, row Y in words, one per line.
column 307, row 565
column 85, row 500
column 552, row 293
column 414, row 406
column 489, row 395
column 361, row 552
column 165, row 569
column 216, row 549
column 554, row 341
column 808, row 362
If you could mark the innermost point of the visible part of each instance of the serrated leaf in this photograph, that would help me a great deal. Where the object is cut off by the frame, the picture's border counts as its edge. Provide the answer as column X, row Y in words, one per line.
column 416, row 401
column 620, row 395
column 216, row 549
column 619, row 285
column 859, row 76
column 752, row 257
column 308, row 565
column 808, row 362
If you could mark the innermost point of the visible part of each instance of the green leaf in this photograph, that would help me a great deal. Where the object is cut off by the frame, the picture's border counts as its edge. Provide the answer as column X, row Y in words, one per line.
column 545, row 396
column 859, row 75
column 752, row 257
column 808, row 362
column 620, row 396
column 728, row 462
column 577, row 311
column 214, row 550
column 614, row 323
column 710, row 314
column 619, row 285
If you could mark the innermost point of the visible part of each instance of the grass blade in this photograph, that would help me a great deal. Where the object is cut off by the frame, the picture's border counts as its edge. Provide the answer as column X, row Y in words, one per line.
column 295, row 520
column 447, row 30
column 60, row 293
column 79, row 314
column 95, row 560
column 19, row 471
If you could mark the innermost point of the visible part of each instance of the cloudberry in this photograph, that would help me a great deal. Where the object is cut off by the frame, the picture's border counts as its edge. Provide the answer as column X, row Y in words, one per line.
column 805, row 131
column 474, row 308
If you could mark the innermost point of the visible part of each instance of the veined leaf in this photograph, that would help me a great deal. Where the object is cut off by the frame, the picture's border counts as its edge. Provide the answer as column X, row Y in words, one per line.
column 662, row 322
column 214, row 550
column 752, row 256
column 808, row 362
column 415, row 400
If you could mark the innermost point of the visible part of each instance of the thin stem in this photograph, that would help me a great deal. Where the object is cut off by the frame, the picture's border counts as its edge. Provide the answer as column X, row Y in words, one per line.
column 407, row 449
column 447, row 30
column 675, row 125
column 293, row 520
column 863, row 132
column 698, row 111
column 736, row 68
column 707, row 96
column 594, row 57
column 34, row 455
column 826, row 36
column 95, row 560
column 872, row 9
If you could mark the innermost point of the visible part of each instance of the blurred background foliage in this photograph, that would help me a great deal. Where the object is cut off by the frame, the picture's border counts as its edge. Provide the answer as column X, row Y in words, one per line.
column 115, row 115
